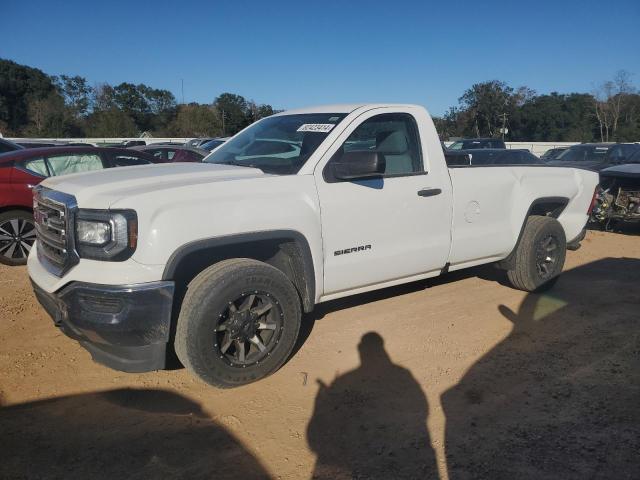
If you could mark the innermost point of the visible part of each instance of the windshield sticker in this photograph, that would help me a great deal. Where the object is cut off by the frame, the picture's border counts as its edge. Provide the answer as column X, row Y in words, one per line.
column 316, row 127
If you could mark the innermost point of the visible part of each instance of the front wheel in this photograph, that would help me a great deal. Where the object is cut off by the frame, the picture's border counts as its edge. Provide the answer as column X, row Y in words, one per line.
column 238, row 323
column 17, row 234
column 539, row 256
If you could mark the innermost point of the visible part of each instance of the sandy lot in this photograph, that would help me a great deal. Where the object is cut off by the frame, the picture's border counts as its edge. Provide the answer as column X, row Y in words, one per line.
column 463, row 378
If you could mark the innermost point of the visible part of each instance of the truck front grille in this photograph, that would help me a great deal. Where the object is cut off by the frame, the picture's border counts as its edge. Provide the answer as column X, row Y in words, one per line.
column 54, row 217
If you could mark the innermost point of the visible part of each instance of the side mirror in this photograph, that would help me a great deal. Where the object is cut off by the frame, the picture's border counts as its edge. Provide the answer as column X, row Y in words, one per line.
column 356, row 165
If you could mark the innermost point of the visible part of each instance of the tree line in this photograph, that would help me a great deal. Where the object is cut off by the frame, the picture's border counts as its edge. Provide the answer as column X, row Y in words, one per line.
column 611, row 112
column 34, row 104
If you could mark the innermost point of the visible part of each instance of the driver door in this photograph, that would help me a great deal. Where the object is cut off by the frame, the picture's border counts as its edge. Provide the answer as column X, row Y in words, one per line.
column 382, row 230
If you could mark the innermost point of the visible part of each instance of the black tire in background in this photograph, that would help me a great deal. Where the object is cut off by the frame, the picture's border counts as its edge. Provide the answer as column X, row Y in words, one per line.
column 539, row 256
column 17, row 234
column 238, row 323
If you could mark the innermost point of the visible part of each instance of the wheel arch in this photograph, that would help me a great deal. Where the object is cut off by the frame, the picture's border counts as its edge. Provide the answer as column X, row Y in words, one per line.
column 287, row 250
column 544, row 206
column 8, row 208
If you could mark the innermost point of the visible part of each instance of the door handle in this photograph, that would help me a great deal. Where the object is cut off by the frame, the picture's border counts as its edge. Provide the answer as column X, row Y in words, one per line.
column 429, row 192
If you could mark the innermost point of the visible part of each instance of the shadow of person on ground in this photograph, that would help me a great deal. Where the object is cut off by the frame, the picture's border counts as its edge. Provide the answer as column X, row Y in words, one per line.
column 371, row 422
column 559, row 396
column 116, row 434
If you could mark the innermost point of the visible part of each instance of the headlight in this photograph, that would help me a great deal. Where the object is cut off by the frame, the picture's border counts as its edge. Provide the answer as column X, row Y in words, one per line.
column 106, row 234
column 93, row 233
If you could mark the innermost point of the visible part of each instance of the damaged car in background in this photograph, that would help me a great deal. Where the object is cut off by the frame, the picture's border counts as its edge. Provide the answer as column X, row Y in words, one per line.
column 618, row 198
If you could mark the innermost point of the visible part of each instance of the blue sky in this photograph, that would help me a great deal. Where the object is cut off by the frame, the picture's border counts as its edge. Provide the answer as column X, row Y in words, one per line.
column 296, row 53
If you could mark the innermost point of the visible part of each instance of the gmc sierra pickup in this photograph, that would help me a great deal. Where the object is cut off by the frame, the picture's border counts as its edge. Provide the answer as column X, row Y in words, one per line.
column 218, row 260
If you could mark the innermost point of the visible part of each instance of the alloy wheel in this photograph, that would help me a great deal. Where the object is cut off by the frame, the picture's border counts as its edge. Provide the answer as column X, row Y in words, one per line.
column 17, row 236
column 546, row 256
column 249, row 329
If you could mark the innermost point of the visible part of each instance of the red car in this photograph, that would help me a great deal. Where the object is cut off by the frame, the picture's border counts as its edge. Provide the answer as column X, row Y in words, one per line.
column 21, row 170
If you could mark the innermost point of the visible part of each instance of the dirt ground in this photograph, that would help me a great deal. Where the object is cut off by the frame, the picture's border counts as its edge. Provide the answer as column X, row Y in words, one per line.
column 457, row 377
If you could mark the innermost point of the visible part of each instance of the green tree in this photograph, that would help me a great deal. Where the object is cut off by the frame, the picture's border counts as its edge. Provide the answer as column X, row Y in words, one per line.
column 487, row 103
column 111, row 123
column 76, row 93
column 234, row 112
column 20, row 86
column 162, row 106
column 629, row 127
column 555, row 118
column 48, row 117
column 196, row 120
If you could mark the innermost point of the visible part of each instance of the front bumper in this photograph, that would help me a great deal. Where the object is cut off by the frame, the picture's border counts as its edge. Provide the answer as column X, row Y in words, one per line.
column 125, row 327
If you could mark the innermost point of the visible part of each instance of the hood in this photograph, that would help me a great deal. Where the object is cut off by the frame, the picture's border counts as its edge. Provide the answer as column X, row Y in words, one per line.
column 104, row 188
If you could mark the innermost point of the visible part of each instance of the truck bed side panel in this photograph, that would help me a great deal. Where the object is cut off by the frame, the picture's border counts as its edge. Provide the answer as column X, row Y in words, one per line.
column 491, row 204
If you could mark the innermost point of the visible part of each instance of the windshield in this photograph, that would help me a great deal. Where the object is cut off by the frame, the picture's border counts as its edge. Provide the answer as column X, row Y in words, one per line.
column 635, row 158
column 583, row 153
column 280, row 144
column 621, row 152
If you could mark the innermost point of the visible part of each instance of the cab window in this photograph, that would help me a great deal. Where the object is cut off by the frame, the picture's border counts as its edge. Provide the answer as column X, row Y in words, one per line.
column 394, row 136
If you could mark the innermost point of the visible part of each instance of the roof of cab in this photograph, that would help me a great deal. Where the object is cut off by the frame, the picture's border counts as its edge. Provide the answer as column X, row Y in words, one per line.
column 339, row 108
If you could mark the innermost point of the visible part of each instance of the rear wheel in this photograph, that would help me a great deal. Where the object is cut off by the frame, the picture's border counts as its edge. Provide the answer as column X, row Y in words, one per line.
column 238, row 323
column 539, row 256
column 17, row 234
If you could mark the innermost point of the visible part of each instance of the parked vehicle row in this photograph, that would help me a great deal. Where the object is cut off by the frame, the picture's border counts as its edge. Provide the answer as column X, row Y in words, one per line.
column 552, row 153
column 173, row 153
column 477, row 143
column 213, row 144
column 491, row 156
column 595, row 156
column 218, row 260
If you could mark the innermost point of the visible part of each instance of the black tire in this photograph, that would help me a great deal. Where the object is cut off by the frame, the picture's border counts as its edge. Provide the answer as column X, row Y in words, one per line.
column 539, row 256
column 208, row 325
column 17, row 234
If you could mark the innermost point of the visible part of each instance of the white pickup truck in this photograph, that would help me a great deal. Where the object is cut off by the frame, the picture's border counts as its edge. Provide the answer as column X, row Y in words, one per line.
column 218, row 260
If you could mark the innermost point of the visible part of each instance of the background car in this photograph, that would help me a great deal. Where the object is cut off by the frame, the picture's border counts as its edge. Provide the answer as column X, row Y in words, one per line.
column 620, row 153
column 41, row 143
column 133, row 143
column 21, row 170
column 197, row 142
column 635, row 158
column 477, row 143
column 214, row 143
column 592, row 156
column 552, row 153
column 8, row 146
column 173, row 153
column 491, row 156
